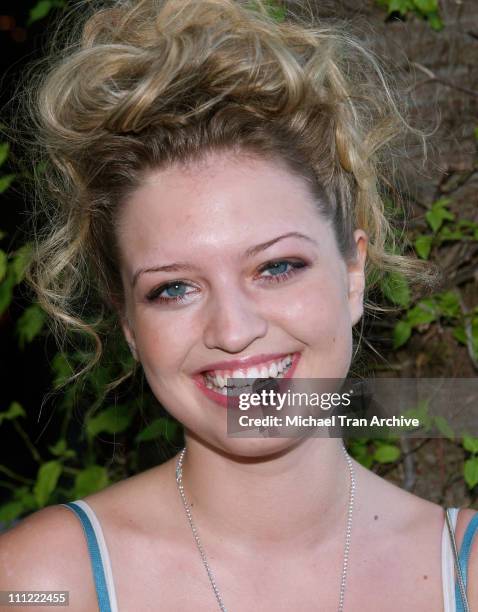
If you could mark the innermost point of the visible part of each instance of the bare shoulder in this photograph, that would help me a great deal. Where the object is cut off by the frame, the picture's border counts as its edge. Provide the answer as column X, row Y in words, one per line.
column 138, row 503
column 401, row 511
column 47, row 551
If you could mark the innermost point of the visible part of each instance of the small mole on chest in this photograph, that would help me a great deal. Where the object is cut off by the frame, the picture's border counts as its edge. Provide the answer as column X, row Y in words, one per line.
column 375, row 517
column 425, row 577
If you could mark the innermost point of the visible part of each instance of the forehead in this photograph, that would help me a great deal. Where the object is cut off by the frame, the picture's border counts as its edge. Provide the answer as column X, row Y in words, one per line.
column 220, row 204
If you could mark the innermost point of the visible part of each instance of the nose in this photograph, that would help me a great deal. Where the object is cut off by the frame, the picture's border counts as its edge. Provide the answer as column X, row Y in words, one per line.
column 233, row 322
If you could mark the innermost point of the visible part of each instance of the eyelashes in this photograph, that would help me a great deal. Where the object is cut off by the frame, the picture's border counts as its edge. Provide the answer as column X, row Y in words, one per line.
column 278, row 276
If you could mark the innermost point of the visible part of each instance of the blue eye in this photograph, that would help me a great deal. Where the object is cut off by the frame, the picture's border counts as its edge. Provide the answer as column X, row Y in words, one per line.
column 279, row 269
column 174, row 291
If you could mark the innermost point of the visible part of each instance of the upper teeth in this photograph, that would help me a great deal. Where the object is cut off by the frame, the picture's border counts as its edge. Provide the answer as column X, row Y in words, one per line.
column 269, row 370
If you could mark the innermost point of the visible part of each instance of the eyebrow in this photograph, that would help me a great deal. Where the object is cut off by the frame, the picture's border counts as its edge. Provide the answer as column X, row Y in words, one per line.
column 250, row 252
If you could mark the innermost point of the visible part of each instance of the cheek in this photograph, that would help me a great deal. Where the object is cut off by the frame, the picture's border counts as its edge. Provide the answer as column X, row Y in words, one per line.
column 163, row 340
column 317, row 309
column 320, row 318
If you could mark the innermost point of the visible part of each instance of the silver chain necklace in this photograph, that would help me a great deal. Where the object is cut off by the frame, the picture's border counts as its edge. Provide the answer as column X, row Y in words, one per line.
column 179, row 481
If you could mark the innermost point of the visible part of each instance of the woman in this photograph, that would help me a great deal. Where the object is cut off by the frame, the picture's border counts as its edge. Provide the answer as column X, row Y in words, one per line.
column 217, row 176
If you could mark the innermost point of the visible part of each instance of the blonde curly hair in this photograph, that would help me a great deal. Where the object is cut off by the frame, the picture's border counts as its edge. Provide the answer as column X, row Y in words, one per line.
column 147, row 83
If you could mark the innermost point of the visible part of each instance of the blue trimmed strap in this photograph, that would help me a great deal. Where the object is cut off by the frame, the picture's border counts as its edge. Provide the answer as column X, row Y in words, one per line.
column 95, row 557
column 464, row 555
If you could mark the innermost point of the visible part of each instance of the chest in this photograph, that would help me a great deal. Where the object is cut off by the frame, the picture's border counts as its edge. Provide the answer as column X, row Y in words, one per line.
column 376, row 580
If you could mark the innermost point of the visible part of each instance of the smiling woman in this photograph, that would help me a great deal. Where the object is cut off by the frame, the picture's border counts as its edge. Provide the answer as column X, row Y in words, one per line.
column 216, row 178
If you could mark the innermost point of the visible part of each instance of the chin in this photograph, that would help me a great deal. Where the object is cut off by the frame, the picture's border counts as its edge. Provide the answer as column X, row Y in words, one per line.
column 254, row 449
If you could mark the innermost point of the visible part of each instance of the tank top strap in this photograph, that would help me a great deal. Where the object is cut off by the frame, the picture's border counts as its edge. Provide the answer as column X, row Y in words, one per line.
column 464, row 556
column 100, row 562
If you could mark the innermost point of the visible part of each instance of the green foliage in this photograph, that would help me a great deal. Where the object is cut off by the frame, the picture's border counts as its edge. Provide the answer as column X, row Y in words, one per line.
column 426, row 9
column 6, row 181
column 445, row 228
column 46, row 481
column 4, row 150
column 114, row 419
column 386, row 453
column 14, row 411
column 466, row 332
column 395, row 288
column 91, row 479
column 3, row 264
column 42, row 9
column 470, row 471
column 30, row 324
column 442, row 307
column 274, row 9
column 159, row 428
column 470, row 466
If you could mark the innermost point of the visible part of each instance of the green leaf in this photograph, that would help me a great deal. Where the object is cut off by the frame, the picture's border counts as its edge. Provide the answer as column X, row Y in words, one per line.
column 449, row 304
column 421, row 314
column 448, row 234
column 10, row 511
column 20, row 261
column 435, row 22
column 92, row 479
column 276, row 12
column 14, row 411
column 162, row 427
column 114, row 419
column 359, row 450
column 439, row 213
column 470, row 444
column 45, row 484
column 437, row 216
column 399, row 6
column 6, row 181
column 423, row 245
column 401, row 333
column 4, row 149
column 6, row 289
column 26, row 497
column 426, row 6
column 61, row 368
column 386, row 453
column 443, row 427
column 3, row 264
column 470, row 472
column 460, row 334
column 40, row 11
column 420, row 412
column 395, row 288
column 60, row 449
column 30, row 324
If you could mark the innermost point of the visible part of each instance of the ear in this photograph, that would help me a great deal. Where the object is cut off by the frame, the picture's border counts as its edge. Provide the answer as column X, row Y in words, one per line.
column 356, row 276
column 129, row 335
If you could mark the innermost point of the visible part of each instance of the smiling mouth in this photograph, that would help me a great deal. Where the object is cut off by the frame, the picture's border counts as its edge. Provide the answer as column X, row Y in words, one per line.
column 243, row 378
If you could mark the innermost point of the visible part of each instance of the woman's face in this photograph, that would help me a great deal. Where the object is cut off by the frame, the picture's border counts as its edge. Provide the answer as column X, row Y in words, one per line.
column 226, row 260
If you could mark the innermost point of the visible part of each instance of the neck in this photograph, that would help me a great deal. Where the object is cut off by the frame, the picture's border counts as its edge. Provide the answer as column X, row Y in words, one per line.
column 299, row 497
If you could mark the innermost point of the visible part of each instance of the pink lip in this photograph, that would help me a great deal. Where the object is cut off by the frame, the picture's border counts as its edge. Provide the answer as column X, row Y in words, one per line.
column 229, row 402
